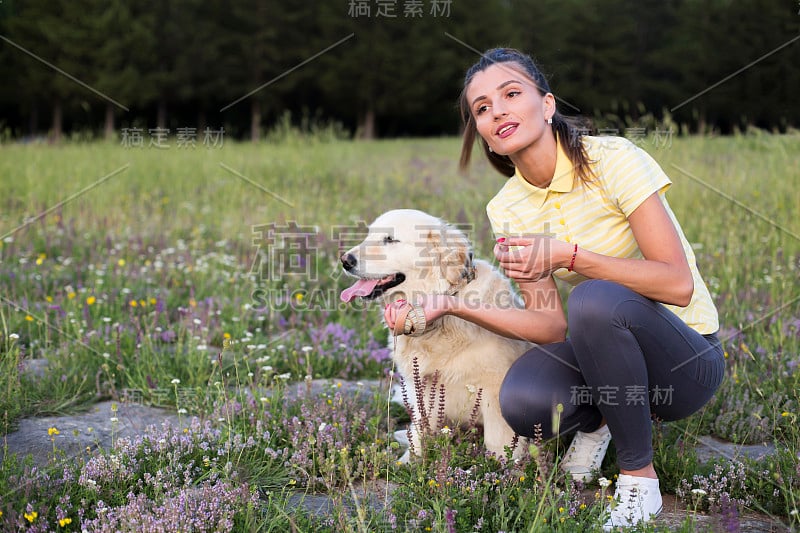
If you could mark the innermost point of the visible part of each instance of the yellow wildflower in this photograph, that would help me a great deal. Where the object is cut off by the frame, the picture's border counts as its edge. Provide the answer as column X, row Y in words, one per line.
column 143, row 303
column 121, row 262
column 41, row 258
column 91, row 300
column 71, row 295
column 30, row 517
column 226, row 335
column 29, row 318
column 49, row 299
column 153, row 301
column 134, row 303
column 53, row 431
column 65, row 522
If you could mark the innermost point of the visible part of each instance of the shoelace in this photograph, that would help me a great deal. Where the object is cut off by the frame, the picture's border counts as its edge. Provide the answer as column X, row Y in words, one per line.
column 584, row 446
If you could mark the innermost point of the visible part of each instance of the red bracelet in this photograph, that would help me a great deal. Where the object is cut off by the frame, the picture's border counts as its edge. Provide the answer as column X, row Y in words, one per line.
column 572, row 263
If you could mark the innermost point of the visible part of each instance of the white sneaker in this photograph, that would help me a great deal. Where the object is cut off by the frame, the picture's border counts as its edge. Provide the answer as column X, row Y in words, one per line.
column 636, row 500
column 585, row 454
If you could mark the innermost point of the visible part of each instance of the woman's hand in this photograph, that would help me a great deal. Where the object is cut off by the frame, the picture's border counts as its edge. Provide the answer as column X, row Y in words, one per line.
column 532, row 258
column 433, row 305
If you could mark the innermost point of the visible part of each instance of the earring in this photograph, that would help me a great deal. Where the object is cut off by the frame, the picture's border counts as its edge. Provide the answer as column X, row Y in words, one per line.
column 490, row 149
column 550, row 120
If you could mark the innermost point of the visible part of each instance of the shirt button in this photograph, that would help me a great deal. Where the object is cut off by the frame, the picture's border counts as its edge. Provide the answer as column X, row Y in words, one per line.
column 561, row 221
column 558, row 205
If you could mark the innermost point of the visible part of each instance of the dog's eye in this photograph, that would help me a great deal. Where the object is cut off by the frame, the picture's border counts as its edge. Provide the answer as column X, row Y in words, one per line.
column 389, row 240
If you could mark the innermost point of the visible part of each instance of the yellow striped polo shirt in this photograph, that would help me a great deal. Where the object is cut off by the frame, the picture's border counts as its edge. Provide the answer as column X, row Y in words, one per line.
column 595, row 216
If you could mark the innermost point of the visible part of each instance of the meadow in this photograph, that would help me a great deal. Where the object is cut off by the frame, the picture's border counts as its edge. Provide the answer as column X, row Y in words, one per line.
column 207, row 279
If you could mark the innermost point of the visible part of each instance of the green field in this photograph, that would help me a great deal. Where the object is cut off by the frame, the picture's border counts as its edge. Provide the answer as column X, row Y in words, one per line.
column 143, row 265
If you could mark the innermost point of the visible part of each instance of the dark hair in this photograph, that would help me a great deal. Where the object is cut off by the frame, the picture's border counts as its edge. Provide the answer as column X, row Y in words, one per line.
column 568, row 130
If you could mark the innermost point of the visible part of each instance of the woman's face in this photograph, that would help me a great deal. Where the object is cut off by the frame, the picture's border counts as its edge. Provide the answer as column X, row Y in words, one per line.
column 509, row 112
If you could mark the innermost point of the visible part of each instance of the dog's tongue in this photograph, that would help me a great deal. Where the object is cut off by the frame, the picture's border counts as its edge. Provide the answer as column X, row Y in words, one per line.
column 361, row 287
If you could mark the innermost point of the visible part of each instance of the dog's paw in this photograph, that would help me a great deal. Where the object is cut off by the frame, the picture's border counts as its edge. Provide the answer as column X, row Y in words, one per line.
column 401, row 437
column 405, row 458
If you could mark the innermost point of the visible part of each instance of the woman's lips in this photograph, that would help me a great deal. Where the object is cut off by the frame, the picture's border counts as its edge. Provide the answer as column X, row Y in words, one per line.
column 507, row 129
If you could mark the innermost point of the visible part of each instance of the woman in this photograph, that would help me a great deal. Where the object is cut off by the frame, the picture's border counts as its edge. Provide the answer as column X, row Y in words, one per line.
column 642, row 326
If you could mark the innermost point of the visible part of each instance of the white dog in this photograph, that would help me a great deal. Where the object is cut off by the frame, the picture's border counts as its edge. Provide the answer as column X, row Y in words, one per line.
column 408, row 253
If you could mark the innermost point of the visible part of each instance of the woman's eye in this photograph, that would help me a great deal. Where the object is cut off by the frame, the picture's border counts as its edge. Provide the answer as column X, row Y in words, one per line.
column 481, row 109
column 512, row 94
column 389, row 240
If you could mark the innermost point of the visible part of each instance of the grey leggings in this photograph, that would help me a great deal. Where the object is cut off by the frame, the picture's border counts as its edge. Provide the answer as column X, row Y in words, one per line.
column 626, row 358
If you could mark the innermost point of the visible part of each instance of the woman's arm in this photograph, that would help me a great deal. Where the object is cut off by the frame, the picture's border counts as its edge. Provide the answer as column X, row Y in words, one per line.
column 663, row 275
column 542, row 321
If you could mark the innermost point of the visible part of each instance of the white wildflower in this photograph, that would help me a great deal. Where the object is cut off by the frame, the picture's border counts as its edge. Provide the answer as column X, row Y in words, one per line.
column 175, row 381
column 604, row 482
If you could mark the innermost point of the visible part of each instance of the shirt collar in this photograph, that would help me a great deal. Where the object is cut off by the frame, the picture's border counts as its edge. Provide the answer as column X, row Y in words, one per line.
column 562, row 179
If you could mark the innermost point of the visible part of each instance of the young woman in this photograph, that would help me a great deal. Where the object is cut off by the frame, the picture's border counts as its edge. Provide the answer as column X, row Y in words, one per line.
column 640, row 321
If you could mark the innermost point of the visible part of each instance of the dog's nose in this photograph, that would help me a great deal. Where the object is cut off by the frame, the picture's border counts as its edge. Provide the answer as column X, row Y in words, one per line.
column 349, row 261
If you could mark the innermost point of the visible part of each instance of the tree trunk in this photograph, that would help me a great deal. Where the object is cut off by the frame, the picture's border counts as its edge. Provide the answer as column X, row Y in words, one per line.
column 33, row 120
column 109, row 127
column 57, row 121
column 367, row 125
column 255, row 120
column 201, row 121
column 161, row 120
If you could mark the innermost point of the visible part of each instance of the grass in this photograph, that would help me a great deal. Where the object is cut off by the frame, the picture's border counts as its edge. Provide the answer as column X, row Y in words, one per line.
column 150, row 282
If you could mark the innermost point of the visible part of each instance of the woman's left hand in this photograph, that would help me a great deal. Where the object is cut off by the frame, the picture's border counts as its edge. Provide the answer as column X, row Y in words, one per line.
column 531, row 258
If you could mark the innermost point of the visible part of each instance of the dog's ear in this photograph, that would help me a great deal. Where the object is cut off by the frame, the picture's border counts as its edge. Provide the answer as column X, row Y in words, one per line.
column 452, row 252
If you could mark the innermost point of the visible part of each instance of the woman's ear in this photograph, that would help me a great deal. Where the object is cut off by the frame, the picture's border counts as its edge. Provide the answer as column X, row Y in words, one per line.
column 548, row 105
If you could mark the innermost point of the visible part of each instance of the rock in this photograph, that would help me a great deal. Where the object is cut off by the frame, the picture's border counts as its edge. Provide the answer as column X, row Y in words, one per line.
column 675, row 513
column 37, row 368
column 709, row 448
column 375, row 494
column 85, row 431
